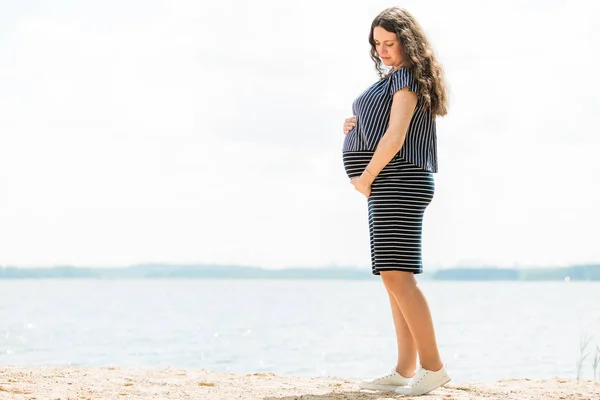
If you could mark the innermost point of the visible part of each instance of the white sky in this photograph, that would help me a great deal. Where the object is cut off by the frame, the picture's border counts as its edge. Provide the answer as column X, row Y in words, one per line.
column 179, row 131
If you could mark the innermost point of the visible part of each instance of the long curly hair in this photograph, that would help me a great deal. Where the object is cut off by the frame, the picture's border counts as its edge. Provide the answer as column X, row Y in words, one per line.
column 418, row 56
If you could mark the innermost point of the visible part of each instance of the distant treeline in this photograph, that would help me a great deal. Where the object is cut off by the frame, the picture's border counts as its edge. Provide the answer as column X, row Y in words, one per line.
column 149, row 271
column 179, row 271
column 575, row 272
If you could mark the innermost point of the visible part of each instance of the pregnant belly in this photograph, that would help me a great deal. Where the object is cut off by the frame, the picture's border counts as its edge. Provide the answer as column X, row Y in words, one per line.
column 355, row 162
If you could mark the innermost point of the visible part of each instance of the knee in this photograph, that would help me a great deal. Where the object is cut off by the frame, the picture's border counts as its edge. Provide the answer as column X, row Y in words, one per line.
column 399, row 283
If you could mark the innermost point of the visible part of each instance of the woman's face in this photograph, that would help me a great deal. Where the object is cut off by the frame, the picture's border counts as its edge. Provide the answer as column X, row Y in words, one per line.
column 388, row 47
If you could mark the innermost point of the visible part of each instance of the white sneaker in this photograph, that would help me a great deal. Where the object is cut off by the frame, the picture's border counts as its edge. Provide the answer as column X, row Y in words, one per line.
column 424, row 381
column 388, row 382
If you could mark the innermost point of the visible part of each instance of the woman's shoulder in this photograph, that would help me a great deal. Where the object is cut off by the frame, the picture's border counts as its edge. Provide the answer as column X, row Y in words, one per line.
column 400, row 78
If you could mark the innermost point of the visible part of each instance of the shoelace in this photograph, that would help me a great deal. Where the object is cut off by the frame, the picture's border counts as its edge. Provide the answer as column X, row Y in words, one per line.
column 388, row 375
column 418, row 377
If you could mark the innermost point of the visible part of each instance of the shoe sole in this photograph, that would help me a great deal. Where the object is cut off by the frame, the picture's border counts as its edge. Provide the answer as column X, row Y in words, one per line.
column 429, row 388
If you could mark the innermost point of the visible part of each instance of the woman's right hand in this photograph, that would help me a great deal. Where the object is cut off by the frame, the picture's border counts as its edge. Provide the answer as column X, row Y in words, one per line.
column 349, row 124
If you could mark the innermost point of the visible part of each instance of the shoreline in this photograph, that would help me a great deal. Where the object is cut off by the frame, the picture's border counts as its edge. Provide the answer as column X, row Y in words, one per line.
column 64, row 383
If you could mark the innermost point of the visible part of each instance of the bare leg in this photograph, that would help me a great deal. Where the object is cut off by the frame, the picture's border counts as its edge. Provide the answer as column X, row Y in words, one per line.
column 407, row 349
column 414, row 308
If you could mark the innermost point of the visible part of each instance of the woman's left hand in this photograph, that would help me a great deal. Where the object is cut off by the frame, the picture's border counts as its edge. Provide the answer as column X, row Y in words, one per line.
column 362, row 184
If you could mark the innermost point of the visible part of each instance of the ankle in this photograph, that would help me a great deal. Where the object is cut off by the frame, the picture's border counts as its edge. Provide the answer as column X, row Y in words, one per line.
column 405, row 372
column 433, row 366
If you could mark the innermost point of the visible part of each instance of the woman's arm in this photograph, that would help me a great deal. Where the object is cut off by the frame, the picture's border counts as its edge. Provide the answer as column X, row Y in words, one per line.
column 403, row 107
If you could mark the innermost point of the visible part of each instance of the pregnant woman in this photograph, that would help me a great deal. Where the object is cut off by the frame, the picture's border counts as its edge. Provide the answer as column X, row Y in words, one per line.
column 390, row 155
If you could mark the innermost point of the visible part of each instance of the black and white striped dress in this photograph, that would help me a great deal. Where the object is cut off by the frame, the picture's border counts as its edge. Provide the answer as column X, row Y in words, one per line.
column 405, row 187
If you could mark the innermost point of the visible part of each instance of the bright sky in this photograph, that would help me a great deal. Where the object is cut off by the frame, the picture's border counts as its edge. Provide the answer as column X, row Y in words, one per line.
column 187, row 132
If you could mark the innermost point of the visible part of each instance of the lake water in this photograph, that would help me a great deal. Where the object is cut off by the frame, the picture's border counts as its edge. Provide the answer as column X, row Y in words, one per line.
column 486, row 330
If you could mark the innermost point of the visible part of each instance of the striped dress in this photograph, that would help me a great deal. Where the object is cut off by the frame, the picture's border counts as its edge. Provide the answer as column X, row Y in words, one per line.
column 405, row 187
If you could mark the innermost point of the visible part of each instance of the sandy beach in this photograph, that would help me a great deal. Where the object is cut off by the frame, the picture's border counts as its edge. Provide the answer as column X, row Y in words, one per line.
column 118, row 383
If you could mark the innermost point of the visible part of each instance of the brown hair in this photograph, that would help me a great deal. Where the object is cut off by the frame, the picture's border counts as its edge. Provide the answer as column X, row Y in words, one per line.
column 418, row 56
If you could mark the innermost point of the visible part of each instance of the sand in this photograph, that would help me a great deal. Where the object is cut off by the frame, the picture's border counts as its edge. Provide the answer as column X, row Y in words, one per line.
column 121, row 383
